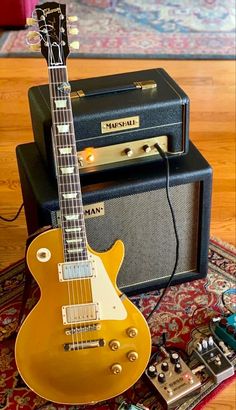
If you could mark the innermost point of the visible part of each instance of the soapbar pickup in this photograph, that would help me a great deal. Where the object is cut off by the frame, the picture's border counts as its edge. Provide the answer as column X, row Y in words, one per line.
column 76, row 270
column 86, row 312
column 87, row 344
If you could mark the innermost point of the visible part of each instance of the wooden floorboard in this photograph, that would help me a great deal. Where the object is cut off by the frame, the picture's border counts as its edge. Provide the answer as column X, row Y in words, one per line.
column 210, row 86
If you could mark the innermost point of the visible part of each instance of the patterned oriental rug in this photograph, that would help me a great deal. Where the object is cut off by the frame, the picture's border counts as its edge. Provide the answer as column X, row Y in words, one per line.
column 183, row 316
column 186, row 29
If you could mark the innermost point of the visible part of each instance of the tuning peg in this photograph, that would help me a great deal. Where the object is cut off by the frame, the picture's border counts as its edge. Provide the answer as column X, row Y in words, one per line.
column 35, row 47
column 75, row 45
column 32, row 35
column 30, row 21
column 72, row 19
column 74, row 31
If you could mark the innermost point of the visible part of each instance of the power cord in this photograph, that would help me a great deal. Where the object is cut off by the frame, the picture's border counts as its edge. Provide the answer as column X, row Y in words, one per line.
column 165, row 158
column 15, row 217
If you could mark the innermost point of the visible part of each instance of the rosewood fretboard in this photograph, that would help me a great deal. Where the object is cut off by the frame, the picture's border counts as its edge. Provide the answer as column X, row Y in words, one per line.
column 68, row 179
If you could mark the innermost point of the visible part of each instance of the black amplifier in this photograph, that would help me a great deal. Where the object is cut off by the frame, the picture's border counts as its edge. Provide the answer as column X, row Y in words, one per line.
column 133, row 208
column 118, row 119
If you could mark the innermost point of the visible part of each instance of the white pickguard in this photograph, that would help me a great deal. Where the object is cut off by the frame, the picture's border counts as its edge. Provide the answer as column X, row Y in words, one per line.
column 104, row 293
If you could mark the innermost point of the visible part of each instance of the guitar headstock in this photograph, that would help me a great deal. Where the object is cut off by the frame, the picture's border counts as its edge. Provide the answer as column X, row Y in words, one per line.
column 52, row 36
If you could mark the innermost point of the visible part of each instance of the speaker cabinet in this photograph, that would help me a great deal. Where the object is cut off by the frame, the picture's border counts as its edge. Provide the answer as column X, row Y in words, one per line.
column 132, row 206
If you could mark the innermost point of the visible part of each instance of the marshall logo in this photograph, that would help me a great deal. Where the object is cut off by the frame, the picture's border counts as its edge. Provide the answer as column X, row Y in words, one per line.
column 120, row 124
column 94, row 210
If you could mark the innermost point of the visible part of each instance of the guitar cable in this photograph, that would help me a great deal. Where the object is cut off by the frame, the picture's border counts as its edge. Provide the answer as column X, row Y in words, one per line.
column 167, row 187
column 14, row 217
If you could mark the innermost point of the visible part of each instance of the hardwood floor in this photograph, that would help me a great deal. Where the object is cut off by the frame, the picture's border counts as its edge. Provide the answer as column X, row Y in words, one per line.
column 210, row 86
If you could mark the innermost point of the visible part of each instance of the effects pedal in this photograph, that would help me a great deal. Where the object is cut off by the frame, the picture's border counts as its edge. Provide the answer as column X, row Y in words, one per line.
column 173, row 380
column 226, row 330
column 214, row 360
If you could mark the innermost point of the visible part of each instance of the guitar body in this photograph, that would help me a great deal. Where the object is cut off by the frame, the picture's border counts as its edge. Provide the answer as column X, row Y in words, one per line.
column 87, row 361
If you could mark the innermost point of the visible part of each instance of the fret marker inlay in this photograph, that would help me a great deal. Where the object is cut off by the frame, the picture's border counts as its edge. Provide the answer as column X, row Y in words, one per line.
column 70, row 196
column 67, row 150
column 72, row 217
column 67, row 170
column 68, row 230
column 62, row 128
column 60, row 103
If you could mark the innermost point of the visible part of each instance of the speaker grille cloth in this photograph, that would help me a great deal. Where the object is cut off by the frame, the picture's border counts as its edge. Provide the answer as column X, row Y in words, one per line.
column 143, row 222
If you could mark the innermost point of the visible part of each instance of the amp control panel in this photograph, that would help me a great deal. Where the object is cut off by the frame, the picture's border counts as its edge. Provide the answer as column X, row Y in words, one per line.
column 92, row 158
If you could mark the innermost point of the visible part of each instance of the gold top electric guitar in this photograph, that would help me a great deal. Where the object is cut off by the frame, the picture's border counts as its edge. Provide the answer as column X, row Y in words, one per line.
column 84, row 341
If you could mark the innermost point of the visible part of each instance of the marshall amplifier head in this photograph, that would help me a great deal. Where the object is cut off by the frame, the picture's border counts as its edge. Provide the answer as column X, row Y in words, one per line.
column 117, row 119
column 134, row 209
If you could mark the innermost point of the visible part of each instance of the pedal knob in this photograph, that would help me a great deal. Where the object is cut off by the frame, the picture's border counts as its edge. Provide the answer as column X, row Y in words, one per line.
column 210, row 341
column 161, row 377
column 230, row 329
column 174, row 358
column 114, row 345
column 132, row 356
column 132, row 331
column 165, row 367
column 205, row 344
column 152, row 371
column 178, row 368
column 116, row 368
column 223, row 322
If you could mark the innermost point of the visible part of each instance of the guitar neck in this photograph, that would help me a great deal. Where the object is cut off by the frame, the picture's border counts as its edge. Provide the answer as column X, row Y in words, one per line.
column 68, row 178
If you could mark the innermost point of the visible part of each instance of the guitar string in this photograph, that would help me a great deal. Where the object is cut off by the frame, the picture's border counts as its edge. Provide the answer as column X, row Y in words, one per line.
column 52, row 77
column 53, row 71
column 82, row 283
column 72, row 203
column 67, row 188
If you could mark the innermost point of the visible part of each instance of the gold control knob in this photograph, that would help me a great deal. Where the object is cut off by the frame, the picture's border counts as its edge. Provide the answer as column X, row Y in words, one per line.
column 129, row 152
column 132, row 356
column 116, row 368
column 132, row 331
column 147, row 148
column 114, row 344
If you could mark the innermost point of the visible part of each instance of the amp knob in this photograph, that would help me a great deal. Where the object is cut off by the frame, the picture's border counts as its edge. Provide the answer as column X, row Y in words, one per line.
column 147, row 148
column 129, row 152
